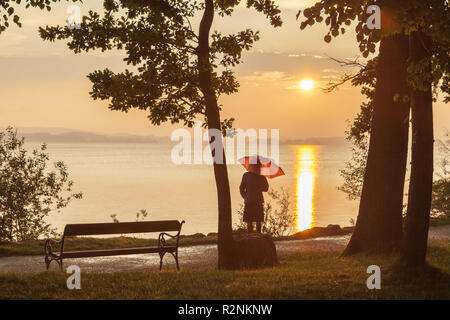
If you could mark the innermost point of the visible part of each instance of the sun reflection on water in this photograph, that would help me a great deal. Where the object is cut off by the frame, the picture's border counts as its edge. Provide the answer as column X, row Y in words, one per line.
column 306, row 176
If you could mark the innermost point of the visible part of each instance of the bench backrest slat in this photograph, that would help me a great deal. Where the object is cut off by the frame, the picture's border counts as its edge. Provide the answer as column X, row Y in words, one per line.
column 88, row 229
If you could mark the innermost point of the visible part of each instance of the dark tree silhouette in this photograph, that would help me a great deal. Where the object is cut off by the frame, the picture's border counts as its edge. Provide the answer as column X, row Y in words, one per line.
column 429, row 43
column 176, row 73
column 421, row 181
column 379, row 223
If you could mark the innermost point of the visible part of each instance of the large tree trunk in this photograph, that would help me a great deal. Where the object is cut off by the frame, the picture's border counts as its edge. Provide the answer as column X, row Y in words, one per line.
column 421, row 180
column 379, row 223
column 225, row 240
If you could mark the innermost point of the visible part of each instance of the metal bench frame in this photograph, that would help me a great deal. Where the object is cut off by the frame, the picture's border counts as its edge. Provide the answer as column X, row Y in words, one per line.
column 112, row 228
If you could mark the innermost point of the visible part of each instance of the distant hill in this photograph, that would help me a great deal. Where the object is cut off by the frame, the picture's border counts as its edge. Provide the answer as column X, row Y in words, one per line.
column 81, row 136
column 44, row 134
column 52, row 130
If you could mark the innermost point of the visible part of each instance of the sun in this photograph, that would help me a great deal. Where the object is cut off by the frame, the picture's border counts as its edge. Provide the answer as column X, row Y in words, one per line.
column 306, row 84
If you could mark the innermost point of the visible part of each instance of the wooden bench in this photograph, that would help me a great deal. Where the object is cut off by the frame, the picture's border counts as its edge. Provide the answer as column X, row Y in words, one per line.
column 90, row 229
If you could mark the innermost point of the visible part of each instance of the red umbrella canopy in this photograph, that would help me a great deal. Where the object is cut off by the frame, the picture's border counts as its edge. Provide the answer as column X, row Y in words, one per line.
column 269, row 168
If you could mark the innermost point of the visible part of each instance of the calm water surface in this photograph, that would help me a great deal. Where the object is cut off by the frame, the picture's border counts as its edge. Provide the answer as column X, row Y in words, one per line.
column 123, row 178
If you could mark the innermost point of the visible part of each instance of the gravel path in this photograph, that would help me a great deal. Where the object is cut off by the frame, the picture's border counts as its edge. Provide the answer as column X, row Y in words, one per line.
column 195, row 257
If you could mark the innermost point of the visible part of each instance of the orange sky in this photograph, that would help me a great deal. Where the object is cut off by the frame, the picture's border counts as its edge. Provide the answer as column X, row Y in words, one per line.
column 44, row 84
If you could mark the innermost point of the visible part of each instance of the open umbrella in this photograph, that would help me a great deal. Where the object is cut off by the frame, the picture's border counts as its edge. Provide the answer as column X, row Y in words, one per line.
column 269, row 168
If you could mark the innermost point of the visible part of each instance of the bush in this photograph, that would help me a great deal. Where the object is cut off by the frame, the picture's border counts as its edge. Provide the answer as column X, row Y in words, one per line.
column 353, row 173
column 440, row 204
column 29, row 191
column 353, row 176
column 279, row 218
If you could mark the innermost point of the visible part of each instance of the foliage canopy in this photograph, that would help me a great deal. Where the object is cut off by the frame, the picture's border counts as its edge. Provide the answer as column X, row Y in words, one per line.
column 160, row 47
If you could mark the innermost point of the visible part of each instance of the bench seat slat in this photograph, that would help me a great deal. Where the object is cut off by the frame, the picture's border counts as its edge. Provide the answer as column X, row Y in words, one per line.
column 88, row 229
column 115, row 252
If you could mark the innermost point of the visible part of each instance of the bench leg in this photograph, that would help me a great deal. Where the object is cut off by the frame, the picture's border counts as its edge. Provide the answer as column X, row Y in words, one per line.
column 47, row 262
column 176, row 260
column 60, row 262
column 175, row 256
column 161, row 256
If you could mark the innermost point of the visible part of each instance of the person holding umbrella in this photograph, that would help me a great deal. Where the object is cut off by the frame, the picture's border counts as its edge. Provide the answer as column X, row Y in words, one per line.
column 253, row 184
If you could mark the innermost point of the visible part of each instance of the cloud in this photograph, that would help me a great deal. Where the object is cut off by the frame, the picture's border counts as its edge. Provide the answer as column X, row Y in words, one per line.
column 298, row 55
column 293, row 87
column 286, row 69
column 10, row 42
column 330, row 77
column 267, row 76
column 295, row 4
column 288, row 54
column 274, row 78
column 330, row 71
column 330, row 74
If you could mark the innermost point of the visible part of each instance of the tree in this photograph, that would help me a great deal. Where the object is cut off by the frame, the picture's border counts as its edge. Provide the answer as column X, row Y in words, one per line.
column 429, row 44
column 425, row 23
column 178, row 74
column 379, row 225
column 421, row 180
column 29, row 191
column 8, row 10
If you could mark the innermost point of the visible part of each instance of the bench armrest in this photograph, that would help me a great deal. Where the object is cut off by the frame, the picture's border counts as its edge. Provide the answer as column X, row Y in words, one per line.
column 162, row 234
column 162, row 239
column 48, row 246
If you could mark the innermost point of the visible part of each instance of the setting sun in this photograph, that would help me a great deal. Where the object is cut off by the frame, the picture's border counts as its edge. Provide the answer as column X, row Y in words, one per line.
column 306, row 84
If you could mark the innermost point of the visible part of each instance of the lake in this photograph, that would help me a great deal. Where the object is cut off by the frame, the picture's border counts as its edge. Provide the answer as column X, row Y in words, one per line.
column 122, row 178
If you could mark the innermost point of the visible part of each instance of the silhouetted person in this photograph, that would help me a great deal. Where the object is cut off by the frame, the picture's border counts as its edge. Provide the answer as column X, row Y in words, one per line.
column 252, row 187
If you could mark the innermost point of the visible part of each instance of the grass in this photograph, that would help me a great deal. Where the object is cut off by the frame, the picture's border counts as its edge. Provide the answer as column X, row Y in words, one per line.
column 310, row 275
column 36, row 247
column 440, row 221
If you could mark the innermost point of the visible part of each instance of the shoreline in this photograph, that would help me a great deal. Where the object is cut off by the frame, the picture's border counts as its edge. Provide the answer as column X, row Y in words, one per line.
column 36, row 247
column 331, row 233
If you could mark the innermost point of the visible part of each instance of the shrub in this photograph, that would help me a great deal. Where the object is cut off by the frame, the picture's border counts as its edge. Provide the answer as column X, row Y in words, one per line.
column 279, row 218
column 29, row 191
column 440, row 204
column 353, row 176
